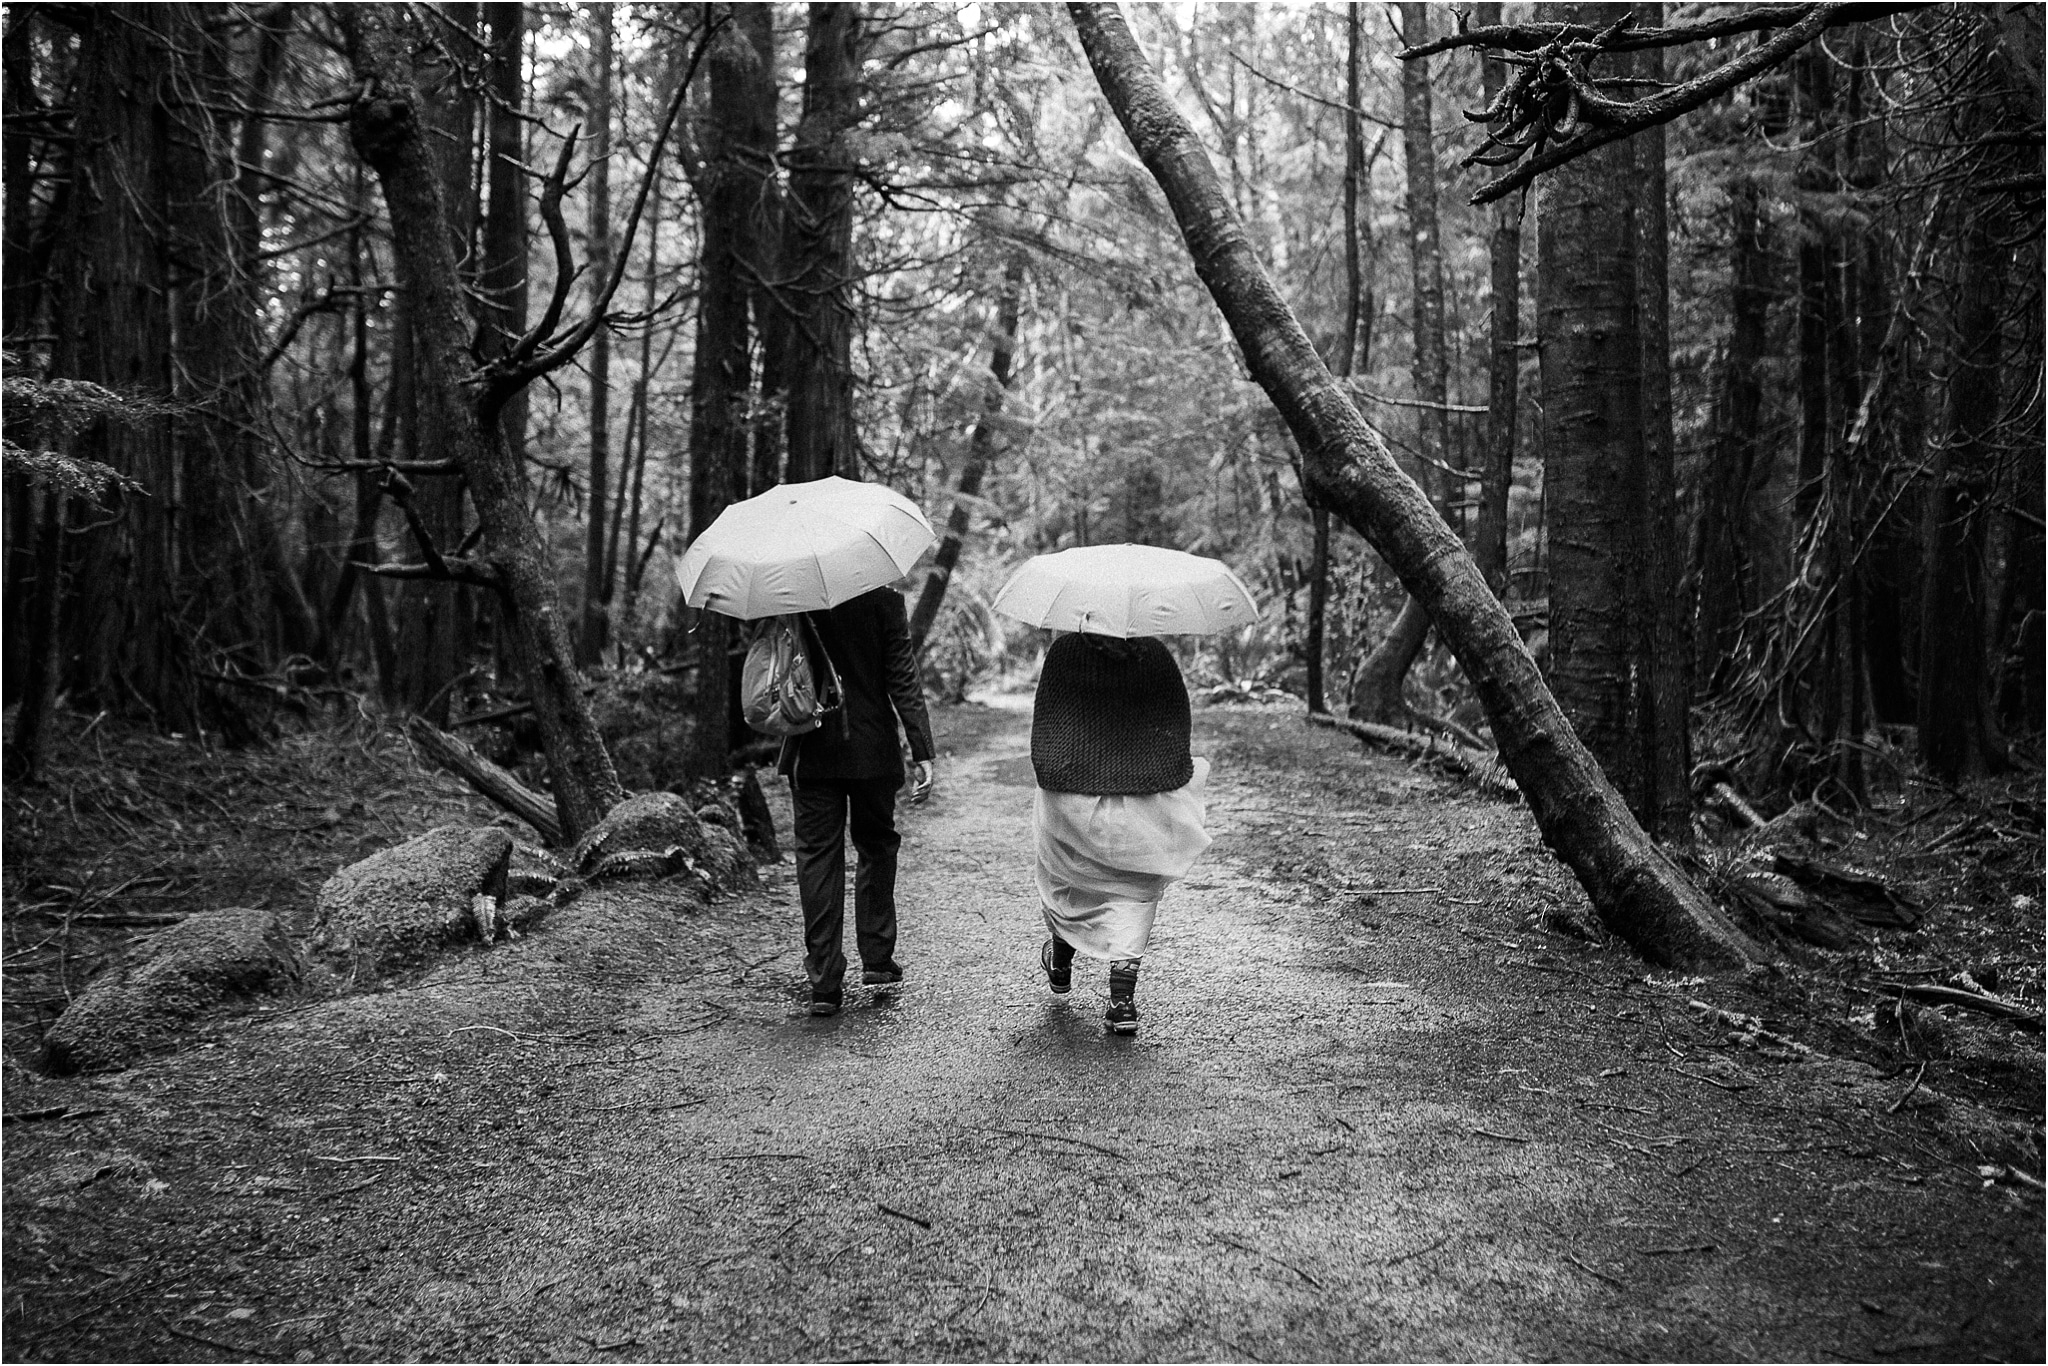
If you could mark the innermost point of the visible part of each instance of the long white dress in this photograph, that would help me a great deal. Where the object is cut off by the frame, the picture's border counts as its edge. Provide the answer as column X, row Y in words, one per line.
column 1104, row 862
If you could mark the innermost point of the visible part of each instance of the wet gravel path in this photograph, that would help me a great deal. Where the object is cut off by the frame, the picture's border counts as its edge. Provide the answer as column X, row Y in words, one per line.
column 1371, row 1114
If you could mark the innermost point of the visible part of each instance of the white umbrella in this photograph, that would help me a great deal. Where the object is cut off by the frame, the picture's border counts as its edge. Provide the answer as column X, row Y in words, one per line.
column 803, row 548
column 1127, row 590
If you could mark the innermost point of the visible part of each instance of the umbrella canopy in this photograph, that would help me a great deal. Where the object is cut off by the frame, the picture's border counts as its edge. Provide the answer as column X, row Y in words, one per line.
column 803, row 548
column 1127, row 590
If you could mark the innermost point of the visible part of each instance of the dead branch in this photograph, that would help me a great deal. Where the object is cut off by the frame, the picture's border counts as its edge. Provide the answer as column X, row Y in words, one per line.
column 1554, row 99
column 487, row 778
column 1752, row 18
column 1478, row 766
column 1968, row 1000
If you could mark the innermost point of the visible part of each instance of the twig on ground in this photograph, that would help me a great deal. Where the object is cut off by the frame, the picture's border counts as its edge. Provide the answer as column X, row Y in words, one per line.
column 51, row 1112
column 1675, row 1251
column 1505, row 1138
column 1424, row 1250
column 203, row 1340
column 1392, row 891
column 1057, row 1138
column 899, row 1214
column 366, row 1157
column 337, row 1193
column 1256, row 1252
column 1724, row 1085
column 755, row 1157
column 1595, row 1272
column 1907, row 1094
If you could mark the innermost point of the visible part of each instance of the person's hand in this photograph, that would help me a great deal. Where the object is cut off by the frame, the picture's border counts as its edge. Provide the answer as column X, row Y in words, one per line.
column 920, row 781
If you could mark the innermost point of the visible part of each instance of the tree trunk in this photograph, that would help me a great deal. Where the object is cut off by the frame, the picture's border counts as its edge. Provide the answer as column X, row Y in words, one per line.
column 980, row 453
column 817, row 250
column 112, row 285
column 1352, row 356
column 728, row 183
column 503, row 279
column 1377, row 695
column 1956, row 736
column 1633, row 886
column 1504, row 356
column 1604, row 491
column 434, row 620
column 1663, row 699
column 1721, row 560
column 386, row 130
column 597, row 587
column 43, row 599
column 764, row 258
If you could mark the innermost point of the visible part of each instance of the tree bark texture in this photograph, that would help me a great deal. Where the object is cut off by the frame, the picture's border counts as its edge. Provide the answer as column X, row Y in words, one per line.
column 1722, row 569
column 112, row 284
column 763, row 255
column 1633, row 886
column 502, row 281
column 1600, row 483
column 1956, row 735
column 1664, row 703
column 597, row 583
column 387, row 130
column 435, row 620
column 728, row 184
column 981, row 447
column 1376, row 693
column 817, row 250
column 1504, row 356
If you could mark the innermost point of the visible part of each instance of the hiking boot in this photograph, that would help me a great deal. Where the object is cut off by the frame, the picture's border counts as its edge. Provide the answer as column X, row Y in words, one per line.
column 824, row 1002
column 887, row 975
column 1058, row 976
column 1122, row 1016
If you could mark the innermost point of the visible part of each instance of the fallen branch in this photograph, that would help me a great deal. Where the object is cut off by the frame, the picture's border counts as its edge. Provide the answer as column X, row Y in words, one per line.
column 1907, row 1094
column 899, row 1214
column 1480, row 767
column 1595, row 1271
column 1969, row 1000
column 1256, row 1252
column 51, row 1112
column 487, row 778
column 1505, row 1138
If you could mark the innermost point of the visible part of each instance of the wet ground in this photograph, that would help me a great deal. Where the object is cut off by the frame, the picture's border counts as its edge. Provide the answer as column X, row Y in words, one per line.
column 1374, row 1112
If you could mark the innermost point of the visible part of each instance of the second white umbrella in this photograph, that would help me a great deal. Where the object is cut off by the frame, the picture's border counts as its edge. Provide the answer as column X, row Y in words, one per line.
column 1127, row 590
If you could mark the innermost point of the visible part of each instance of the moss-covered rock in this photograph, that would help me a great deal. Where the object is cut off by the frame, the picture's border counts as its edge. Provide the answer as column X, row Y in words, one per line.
column 173, row 979
column 399, row 906
column 656, row 834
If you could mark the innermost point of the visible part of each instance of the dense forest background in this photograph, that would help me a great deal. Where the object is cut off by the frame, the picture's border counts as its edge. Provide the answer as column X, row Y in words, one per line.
column 669, row 255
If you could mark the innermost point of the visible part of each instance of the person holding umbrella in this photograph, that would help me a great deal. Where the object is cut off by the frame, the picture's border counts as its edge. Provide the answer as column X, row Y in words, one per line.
column 1119, row 810
column 828, row 549
column 844, row 777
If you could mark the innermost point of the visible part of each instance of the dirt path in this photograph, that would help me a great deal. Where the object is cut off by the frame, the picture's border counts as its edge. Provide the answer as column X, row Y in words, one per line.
column 1357, row 1124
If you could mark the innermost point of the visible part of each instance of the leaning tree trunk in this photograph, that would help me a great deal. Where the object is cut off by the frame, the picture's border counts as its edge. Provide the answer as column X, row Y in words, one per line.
column 1633, row 885
column 387, row 131
column 817, row 250
column 1376, row 690
column 980, row 449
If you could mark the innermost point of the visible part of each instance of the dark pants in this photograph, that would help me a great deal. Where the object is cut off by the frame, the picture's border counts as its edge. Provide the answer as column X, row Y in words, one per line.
column 826, row 812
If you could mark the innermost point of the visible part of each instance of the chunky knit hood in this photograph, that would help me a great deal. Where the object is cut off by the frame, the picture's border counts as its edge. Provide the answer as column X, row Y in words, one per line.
column 1111, row 718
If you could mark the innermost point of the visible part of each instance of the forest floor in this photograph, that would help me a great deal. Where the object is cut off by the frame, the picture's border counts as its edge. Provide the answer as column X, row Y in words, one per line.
column 1381, row 1107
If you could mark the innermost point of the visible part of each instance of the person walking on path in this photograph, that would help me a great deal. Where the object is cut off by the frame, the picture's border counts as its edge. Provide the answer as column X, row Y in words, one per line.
column 844, row 777
column 1119, row 810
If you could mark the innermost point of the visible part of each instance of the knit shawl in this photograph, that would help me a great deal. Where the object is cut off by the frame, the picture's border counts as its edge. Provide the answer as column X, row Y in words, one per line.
column 1111, row 718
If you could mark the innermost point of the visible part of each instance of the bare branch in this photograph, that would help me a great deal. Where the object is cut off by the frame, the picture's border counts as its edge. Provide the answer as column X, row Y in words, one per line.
column 1750, row 19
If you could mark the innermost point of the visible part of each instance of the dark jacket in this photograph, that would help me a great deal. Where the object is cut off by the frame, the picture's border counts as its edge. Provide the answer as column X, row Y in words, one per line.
column 868, row 641
column 1111, row 718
